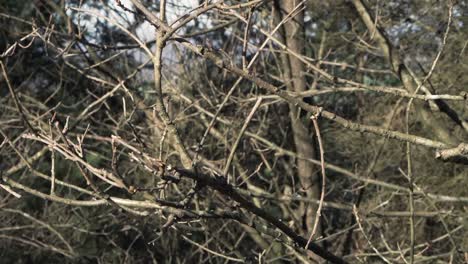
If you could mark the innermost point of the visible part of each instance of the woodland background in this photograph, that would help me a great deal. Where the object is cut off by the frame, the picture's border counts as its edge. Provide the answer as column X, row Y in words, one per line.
column 258, row 131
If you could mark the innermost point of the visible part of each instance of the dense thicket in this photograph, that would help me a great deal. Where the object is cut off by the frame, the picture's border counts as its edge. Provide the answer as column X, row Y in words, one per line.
column 233, row 131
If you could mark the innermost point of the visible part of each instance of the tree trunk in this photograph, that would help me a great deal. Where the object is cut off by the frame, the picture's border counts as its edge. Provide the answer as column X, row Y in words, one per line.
column 292, row 34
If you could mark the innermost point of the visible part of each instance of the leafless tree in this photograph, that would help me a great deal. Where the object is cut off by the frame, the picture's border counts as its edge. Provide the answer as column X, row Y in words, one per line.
column 234, row 131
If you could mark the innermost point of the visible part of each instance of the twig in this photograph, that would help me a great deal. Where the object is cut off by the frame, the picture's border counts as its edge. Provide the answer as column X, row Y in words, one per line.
column 236, row 143
column 358, row 221
column 314, row 119
column 46, row 225
column 212, row 251
column 16, row 100
column 444, row 42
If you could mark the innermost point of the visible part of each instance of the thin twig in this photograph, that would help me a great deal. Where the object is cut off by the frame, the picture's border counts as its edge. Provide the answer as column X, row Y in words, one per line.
column 324, row 177
column 236, row 143
column 16, row 100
